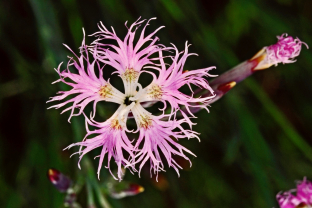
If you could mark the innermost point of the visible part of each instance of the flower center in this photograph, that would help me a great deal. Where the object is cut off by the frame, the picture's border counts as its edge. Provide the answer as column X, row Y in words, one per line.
column 105, row 91
column 145, row 121
column 115, row 124
column 128, row 101
column 155, row 92
column 130, row 75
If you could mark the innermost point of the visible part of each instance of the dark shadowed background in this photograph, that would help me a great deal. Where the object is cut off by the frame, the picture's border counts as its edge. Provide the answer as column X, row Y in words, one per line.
column 254, row 142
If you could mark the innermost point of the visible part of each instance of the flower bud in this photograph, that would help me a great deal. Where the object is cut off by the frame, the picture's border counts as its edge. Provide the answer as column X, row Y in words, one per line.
column 123, row 189
column 59, row 180
column 284, row 51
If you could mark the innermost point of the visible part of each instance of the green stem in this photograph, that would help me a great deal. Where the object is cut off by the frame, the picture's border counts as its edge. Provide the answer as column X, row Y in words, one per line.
column 103, row 201
column 90, row 196
column 93, row 181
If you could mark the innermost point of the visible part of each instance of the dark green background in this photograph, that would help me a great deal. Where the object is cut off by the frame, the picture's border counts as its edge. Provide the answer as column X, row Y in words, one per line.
column 254, row 143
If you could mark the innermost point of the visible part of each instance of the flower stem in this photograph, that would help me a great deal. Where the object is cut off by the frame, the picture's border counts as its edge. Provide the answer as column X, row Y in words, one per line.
column 103, row 201
column 226, row 81
column 90, row 178
column 90, row 195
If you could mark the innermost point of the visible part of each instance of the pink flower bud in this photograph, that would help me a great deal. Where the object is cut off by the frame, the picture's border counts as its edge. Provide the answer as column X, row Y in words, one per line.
column 284, row 51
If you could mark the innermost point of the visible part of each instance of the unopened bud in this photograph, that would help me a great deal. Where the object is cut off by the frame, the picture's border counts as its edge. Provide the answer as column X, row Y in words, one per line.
column 119, row 190
column 226, row 86
column 59, row 180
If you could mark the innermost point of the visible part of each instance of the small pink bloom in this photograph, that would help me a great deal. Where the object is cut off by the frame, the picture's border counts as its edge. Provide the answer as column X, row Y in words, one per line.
column 166, row 86
column 158, row 135
column 304, row 190
column 112, row 138
column 86, row 85
column 302, row 198
column 126, row 57
column 126, row 54
column 284, row 51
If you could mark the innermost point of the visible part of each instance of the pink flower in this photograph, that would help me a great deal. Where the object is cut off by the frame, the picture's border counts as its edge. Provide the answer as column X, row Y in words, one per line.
column 126, row 57
column 86, row 85
column 112, row 139
column 166, row 86
column 158, row 134
column 302, row 198
column 284, row 51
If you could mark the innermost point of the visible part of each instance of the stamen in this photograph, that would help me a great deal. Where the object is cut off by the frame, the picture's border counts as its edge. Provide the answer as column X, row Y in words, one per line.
column 145, row 121
column 142, row 117
column 106, row 91
column 155, row 92
column 115, row 124
column 130, row 75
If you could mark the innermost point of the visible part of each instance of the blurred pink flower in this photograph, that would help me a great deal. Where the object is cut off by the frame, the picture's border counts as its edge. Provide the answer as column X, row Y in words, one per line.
column 302, row 198
column 59, row 180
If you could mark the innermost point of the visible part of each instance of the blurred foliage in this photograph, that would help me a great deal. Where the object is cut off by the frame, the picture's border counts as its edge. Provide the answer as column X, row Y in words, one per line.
column 254, row 142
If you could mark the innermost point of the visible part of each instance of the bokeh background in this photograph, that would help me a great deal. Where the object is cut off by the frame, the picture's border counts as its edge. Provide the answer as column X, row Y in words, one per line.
column 255, row 141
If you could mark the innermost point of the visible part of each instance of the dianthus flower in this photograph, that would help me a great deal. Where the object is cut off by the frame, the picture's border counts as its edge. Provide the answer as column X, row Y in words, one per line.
column 284, row 51
column 301, row 199
column 158, row 134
